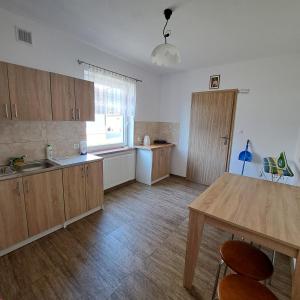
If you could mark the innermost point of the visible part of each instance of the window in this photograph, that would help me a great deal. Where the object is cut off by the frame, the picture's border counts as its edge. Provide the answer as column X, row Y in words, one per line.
column 114, row 110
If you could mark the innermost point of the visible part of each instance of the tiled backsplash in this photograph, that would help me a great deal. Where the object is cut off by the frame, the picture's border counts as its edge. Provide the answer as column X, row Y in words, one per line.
column 30, row 138
column 156, row 130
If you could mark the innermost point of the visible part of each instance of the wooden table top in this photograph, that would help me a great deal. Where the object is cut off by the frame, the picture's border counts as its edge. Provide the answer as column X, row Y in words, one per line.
column 268, row 209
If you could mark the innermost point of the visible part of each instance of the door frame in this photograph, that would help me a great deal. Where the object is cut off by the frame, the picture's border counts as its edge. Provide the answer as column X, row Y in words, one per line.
column 231, row 125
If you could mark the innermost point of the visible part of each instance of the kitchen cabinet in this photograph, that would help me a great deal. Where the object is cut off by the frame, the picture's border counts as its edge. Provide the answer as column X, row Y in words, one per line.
column 13, row 225
column 29, row 93
column 94, row 184
column 83, row 188
column 44, row 201
column 153, row 163
column 5, row 110
column 74, row 191
column 84, row 99
column 161, row 163
column 63, row 97
column 35, row 95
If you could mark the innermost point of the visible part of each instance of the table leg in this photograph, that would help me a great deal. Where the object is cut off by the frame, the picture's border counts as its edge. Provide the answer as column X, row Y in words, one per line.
column 296, row 280
column 196, row 223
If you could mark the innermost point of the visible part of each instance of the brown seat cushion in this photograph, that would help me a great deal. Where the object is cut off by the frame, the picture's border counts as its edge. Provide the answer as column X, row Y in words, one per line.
column 237, row 287
column 246, row 260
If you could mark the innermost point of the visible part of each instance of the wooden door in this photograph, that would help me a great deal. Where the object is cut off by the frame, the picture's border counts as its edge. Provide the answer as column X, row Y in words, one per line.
column 29, row 93
column 94, row 184
column 85, row 101
column 13, row 224
column 63, row 97
column 74, row 191
column 44, row 201
column 5, row 112
column 212, row 115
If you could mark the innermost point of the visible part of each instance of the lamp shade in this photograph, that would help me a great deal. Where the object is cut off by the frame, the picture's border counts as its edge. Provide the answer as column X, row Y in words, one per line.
column 165, row 55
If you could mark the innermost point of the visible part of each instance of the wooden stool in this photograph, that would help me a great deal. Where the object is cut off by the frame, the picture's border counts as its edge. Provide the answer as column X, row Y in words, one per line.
column 244, row 259
column 237, row 287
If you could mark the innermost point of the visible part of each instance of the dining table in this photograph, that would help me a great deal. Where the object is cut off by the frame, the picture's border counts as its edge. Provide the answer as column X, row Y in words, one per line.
column 261, row 211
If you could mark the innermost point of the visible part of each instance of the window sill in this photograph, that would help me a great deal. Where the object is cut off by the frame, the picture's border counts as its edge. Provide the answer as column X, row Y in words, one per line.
column 111, row 151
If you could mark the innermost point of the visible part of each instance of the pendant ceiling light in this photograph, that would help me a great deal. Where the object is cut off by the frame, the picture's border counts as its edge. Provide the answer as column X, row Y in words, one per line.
column 166, row 54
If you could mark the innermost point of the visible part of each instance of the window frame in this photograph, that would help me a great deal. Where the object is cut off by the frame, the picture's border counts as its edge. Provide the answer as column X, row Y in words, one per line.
column 115, row 145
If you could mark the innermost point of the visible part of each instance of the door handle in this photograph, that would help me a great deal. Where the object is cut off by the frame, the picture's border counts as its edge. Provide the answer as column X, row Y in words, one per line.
column 225, row 138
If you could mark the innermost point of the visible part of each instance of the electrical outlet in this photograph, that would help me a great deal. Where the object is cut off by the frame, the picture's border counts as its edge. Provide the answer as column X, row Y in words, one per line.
column 76, row 146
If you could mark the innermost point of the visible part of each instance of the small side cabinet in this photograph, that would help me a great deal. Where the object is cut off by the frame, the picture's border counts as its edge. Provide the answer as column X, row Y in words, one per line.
column 13, row 224
column 153, row 163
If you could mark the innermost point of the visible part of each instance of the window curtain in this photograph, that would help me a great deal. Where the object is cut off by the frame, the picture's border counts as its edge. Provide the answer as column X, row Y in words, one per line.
column 114, row 94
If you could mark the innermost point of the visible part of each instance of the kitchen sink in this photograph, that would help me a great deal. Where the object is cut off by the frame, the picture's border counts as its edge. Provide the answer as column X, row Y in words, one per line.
column 36, row 165
column 27, row 167
column 6, row 171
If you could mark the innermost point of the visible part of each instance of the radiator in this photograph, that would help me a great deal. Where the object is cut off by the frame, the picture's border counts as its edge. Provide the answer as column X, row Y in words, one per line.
column 118, row 168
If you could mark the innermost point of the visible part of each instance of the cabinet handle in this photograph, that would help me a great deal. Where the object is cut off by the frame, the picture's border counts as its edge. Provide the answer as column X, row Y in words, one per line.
column 87, row 171
column 73, row 113
column 16, row 110
column 82, row 172
column 27, row 186
column 18, row 189
column 78, row 114
column 6, row 111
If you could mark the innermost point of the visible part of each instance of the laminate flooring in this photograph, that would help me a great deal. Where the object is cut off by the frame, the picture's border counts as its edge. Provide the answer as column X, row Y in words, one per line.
column 133, row 249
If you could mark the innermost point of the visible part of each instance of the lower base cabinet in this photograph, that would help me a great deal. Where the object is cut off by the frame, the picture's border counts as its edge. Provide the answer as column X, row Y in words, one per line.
column 153, row 163
column 83, row 188
column 13, row 224
column 33, row 204
column 74, row 191
column 44, row 201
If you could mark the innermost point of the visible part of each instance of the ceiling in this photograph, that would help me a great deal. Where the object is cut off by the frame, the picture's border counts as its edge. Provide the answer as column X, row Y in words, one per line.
column 207, row 32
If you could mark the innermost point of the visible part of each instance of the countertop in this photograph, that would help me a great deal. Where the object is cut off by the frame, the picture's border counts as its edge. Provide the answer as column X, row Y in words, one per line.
column 76, row 160
column 154, row 146
column 58, row 163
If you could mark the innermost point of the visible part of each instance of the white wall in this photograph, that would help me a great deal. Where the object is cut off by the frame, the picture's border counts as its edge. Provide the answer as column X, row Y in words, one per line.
column 56, row 51
column 268, row 115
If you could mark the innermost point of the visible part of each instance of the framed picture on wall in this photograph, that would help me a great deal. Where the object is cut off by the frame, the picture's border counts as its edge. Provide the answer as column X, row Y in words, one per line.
column 214, row 82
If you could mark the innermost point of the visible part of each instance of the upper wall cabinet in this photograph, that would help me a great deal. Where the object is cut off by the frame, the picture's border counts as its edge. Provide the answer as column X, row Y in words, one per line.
column 29, row 93
column 5, row 112
column 33, row 95
column 63, row 97
column 85, row 104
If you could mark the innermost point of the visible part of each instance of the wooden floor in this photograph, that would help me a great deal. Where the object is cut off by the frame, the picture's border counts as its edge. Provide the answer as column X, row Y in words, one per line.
column 134, row 249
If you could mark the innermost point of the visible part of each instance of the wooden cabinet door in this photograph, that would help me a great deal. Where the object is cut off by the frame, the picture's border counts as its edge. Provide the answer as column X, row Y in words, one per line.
column 160, row 162
column 44, row 201
column 74, row 191
column 5, row 112
column 63, row 97
column 94, row 184
column 164, row 161
column 155, row 164
column 13, row 225
column 29, row 93
column 85, row 102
